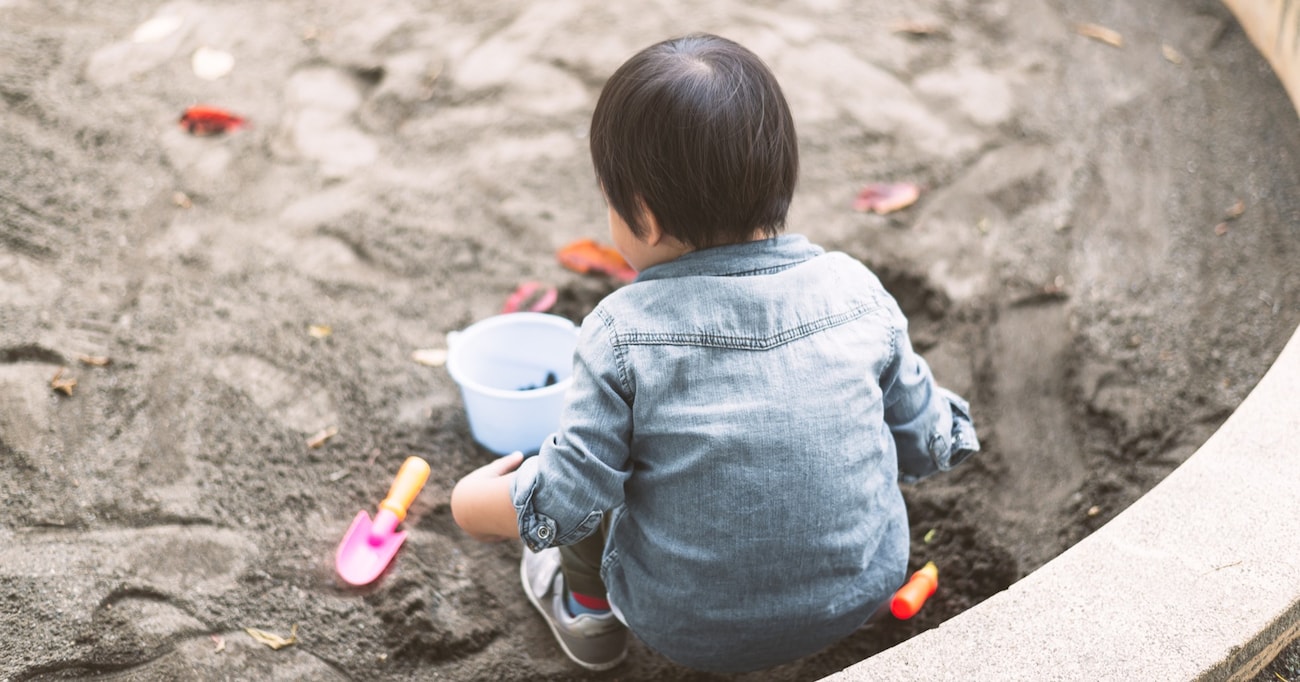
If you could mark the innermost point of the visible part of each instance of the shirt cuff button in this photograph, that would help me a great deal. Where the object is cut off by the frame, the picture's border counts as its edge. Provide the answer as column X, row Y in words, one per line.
column 938, row 445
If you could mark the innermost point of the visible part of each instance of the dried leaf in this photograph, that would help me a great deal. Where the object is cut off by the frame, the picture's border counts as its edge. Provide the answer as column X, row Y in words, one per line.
column 320, row 331
column 59, row 383
column 321, row 437
column 273, row 640
column 156, row 29
column 1221, row 229
column 210, row 63
column 431, row 357
column 1105, row 35
column 1172, row 55
column 182, row 200
column 533, row 297
column 1235, row 211
column 886, row 197
column 220, row 643
column 587, row 257
column 94, row 360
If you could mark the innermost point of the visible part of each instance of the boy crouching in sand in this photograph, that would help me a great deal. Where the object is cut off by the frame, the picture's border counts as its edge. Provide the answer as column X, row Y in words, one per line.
column 724, row 482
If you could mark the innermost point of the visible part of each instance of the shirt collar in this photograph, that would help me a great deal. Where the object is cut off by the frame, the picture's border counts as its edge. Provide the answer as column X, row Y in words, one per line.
column 747, row 258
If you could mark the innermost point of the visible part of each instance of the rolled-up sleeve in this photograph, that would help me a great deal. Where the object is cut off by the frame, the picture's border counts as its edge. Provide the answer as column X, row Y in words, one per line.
column 561, row 494
column 931, row 426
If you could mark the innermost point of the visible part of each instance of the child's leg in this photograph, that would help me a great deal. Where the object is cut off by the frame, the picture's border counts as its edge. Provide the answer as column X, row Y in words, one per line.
column 580, row 563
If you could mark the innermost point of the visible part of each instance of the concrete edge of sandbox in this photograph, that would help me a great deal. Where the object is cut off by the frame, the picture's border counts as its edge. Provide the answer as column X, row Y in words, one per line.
column 1197, row 580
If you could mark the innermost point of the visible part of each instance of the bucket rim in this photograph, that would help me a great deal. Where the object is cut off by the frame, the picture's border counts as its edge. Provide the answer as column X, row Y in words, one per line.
column 457, row 340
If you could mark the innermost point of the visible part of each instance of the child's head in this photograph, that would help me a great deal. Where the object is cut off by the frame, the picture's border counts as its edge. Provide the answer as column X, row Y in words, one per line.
column 696, row 131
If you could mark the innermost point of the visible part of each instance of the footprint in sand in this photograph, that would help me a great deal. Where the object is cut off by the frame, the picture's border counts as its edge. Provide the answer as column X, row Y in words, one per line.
column 144, row 606
column 318, row 125
column 26, row 413
column 296, row 402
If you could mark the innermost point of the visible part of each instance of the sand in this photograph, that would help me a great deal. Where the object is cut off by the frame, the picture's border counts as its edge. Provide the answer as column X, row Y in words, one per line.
column 1103, row 259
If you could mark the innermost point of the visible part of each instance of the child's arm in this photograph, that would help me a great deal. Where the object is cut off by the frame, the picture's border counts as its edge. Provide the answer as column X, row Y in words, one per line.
column 481, row 504
column 931, row 426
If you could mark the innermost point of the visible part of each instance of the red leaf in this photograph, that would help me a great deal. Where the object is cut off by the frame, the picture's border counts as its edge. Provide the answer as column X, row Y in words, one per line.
column 586, row 256
column 204, row 120
column 531, row 297
column 886, row 197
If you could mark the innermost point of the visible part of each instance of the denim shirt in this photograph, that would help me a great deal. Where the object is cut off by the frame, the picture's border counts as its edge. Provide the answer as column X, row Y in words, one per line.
column 744, row 413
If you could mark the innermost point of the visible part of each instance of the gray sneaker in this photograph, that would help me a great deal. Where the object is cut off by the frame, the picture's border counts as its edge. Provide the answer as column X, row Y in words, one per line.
column 593, row 642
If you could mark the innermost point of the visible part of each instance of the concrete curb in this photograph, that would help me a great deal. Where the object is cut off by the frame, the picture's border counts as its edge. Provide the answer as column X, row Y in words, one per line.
column 1197, row 580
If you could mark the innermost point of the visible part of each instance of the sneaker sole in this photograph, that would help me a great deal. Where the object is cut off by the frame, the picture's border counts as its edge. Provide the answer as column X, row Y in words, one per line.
column 550, row 623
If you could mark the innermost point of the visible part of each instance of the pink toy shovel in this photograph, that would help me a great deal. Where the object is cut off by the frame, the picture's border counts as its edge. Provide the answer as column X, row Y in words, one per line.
column 367, row 548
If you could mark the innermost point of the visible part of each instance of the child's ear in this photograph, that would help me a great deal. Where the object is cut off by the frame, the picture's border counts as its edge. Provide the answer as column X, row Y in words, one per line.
column 653, row 232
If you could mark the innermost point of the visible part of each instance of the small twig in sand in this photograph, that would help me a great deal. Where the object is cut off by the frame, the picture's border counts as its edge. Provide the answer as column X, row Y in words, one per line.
column 320, row 438
column 916, row 28
column 1101, row 33
column 273, row 640
column 430, row 357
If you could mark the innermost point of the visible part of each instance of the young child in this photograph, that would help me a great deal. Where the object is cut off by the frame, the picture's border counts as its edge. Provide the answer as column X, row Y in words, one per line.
column 724, row 482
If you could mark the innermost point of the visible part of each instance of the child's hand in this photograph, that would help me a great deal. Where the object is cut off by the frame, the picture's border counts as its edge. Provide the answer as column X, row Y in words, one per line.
column 481, row 504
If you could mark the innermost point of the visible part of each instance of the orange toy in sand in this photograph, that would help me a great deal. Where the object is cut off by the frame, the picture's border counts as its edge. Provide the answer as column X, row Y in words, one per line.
column 909, row 598
column 204, row 120
column 587, row 256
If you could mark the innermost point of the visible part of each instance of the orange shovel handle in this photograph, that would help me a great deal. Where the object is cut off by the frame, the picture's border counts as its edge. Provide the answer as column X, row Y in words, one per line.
column 410, row 480
column 911, row 597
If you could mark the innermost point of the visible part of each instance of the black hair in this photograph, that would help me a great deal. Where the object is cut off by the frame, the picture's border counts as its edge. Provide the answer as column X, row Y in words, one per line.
column 696, row 130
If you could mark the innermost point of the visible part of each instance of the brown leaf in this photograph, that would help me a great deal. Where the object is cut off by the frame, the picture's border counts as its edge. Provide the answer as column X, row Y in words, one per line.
column 1096, row 32
column 1235, row 211
column 916, row 28
column 59, row 383
column 886, row 197
column 320, row 438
